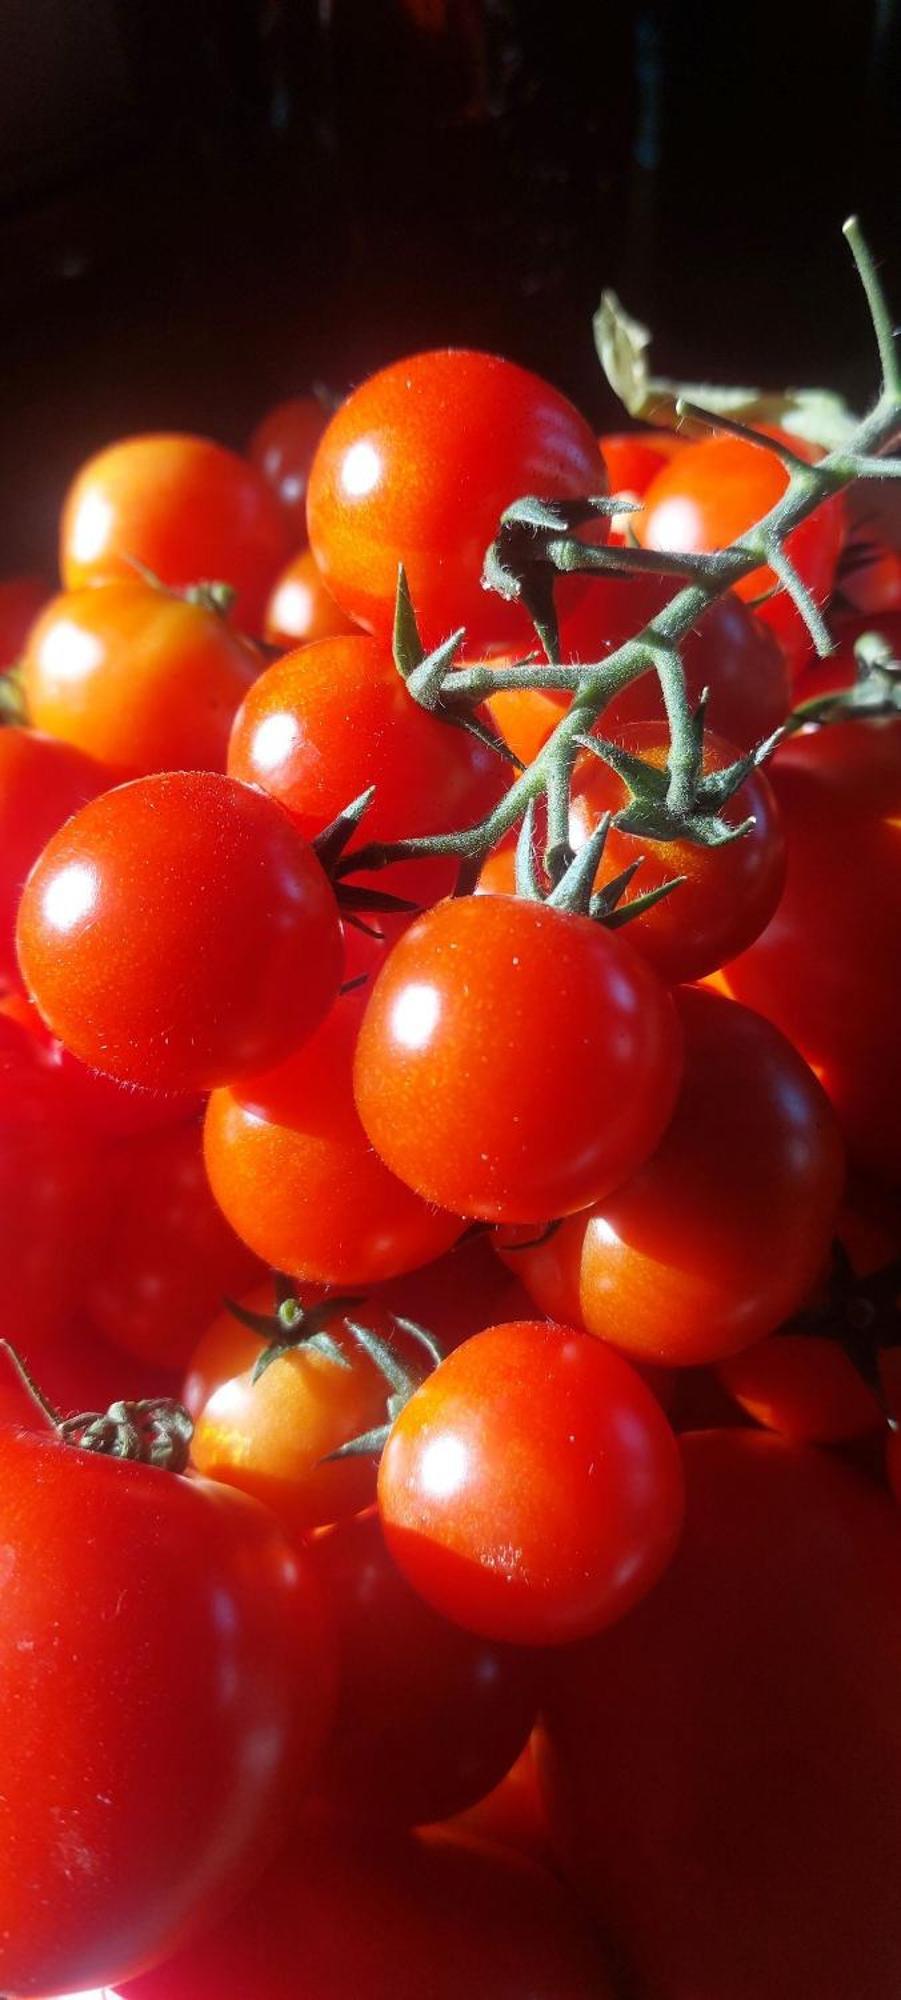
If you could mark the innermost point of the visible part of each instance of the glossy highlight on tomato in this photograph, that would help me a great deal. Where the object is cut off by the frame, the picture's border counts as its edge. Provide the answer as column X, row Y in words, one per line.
column 42, row 783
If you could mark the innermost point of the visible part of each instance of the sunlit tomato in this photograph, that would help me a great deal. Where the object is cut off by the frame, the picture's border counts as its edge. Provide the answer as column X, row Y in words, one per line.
column 137, row 677
column 178, row 932
column 41, row 784
column 227, row 1347
column 417, row 467
column 429, row 1717
column 292, row 1168
column 273, row 1438
column 329, row 720
column 399, row 1916
column 179, row 1644
column 300, row 609
column 186, row 508
column 724, row 1769
column 633, row 459
column 514, row 1061
column 21, row 598
column 52, row 1192
column 722, row 1234
column 531, row 1488
column 715, row 491
column 283, row 447
column 826, row 968
column 168, row 1257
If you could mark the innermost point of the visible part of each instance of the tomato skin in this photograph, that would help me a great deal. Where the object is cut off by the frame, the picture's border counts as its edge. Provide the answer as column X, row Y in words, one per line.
column 181, row 1647
column 137, row 677
column 41, row 784
column 531, row 1488
column 51, row 1193
column 839, row 792
column 283, row 447
column 417, row 467
column 512, row 1815
column 380, row 1918
column 634, row 458
column 574, row 1035
column 723, row 1770
column 21, row 598
column 158, row 900
column 460, row 1293
column 188, row 509
column 722, row 1234
column 226, row 1348
column 292, row 1169
column 429, row 1717
column 300, row 609
column 803, row 1386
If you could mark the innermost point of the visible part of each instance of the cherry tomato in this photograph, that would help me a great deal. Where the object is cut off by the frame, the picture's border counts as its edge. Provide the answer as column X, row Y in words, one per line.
column 283, row 447
column 870, row 573
column 460, row 1294
column 186, row 509
column 178, row 932
column 104, row 1107
column 291, row 1167
column 227, row 1347
column 713, row 492
column 417, row 467
column 405, row 1916
column 633, row 459
column 803, row 1386
column 723, row 1770
column 722, row 1234
column 300, row 608
column 77, row 1370
column 176, row 1646
column 531, row 1490
column 51, row 1193
column 513, row 1061
column 137, row 677
column 21, row 598
column 41, row 784
column 826, row 968
column 429, row 1717
column 329, row 720
column 168, row 1256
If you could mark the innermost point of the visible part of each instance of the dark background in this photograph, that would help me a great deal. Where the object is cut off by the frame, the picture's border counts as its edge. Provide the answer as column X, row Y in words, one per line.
column 204, row 204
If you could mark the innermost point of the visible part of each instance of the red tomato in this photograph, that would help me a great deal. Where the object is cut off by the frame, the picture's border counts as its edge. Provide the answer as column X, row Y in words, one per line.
column 175, row 1645
column 429, row 1717
column 178, row 932
column 104, row 1107
column 137, row 677
column 512, row 1816
column 227, row 1348
column 283, row 447
column 826, row 968
column 460, row 1294
column 187, row 509
column 417, row 467
column 21, row 598
column 803, row 1386
column 405, row 1917
column 300, row 608
column 722, row 1234
column 870, row 573
column 291, row 1167
column 168, row 1257
column 715, row 491
column 51, row 1193
column 77, row 1370
column 531, row 1489
column 41, row 784
column 514, row 1062
column 329, row 720
column 724, row 1769
column 633, row 458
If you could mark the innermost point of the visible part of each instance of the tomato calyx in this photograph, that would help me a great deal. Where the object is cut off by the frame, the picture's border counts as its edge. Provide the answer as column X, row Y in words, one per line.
column 536, row 541
column 566, row 881
column 293, row 1325
column 861, row 1314
column 425, row 675
column 153, row 1431
column 875, row 693
column 400, row 1377
column 650, row 812
column 354, row 897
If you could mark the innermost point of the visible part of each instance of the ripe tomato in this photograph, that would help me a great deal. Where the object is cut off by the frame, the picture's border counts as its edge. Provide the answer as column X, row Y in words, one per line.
column 460, row 1293
column 51, row 1193
column 226, row 1347
column 96, row 1102
column 41, row 784
column 187, row 509
column 300, row 608
column 329, row 720
column 514, row 1062
column 137, row 677
column 168, row 1256
column 405, row 1916
column 21, row 598
column 429, row 1717
column 417, row 467
column 717, row 490
column 722, row 1234
column 803, row 1386
column 180, row 1647
column 724, row 1769
column 826, row 968
column 531, row 1488
column 633, row 459
column 178, row 932
column 77, row 1370
column 291, row 1167
column 283, row 447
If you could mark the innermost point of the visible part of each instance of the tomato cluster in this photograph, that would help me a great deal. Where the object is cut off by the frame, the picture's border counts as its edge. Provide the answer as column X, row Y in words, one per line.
column 452, row 1115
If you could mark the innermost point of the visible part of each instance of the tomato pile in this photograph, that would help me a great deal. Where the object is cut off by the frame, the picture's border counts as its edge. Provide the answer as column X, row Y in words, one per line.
column 450, row 1213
